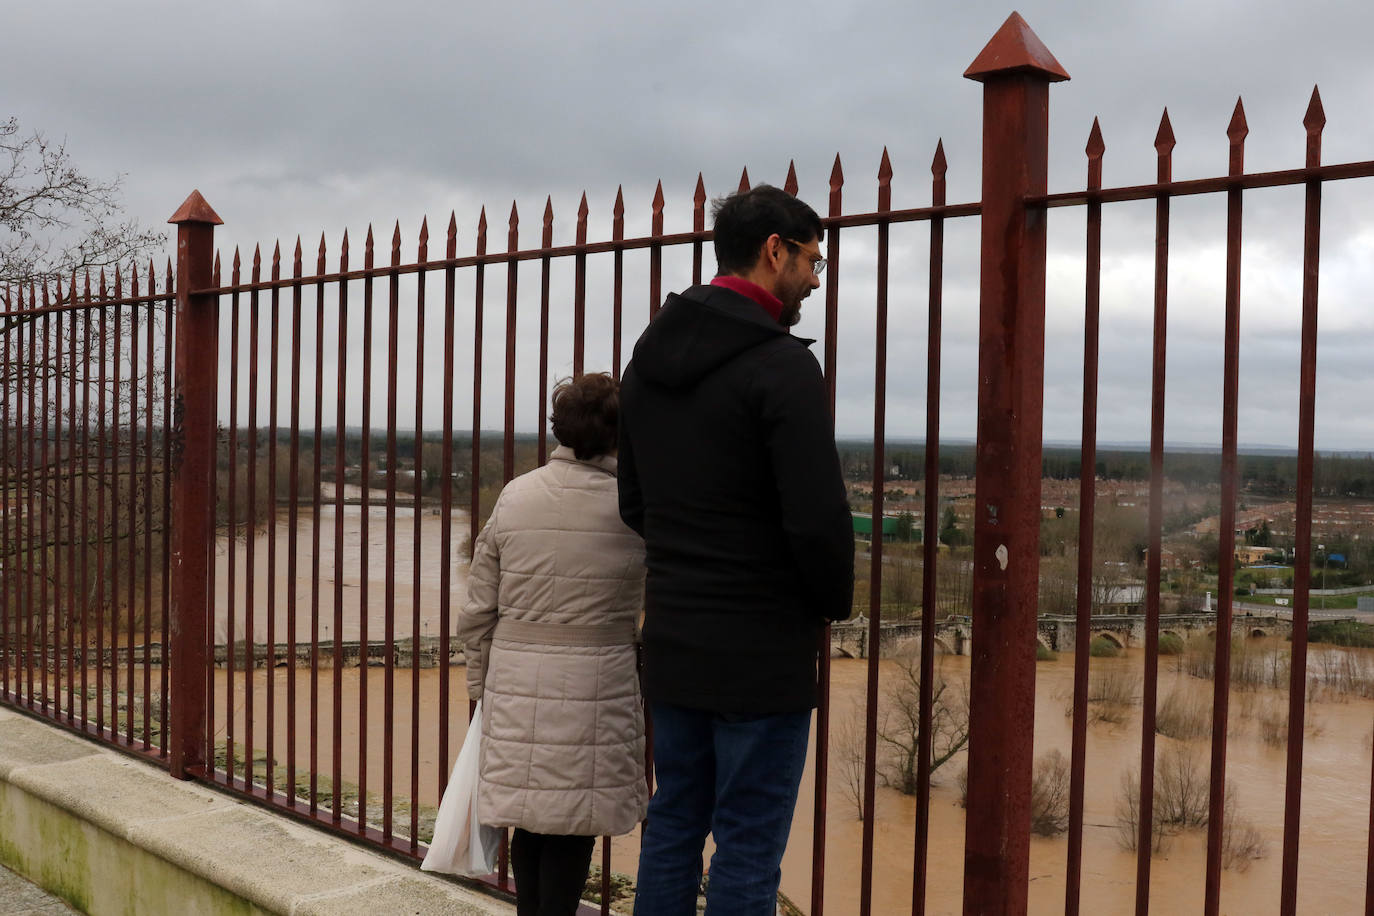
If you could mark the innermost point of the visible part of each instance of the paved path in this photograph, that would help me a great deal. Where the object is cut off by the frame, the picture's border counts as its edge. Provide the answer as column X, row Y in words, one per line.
column 20, row 898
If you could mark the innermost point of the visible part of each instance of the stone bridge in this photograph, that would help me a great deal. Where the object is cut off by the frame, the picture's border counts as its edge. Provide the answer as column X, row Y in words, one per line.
column 1059, row 634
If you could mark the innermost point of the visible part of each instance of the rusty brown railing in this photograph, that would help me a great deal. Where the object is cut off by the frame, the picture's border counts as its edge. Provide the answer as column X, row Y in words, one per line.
column 117, row 485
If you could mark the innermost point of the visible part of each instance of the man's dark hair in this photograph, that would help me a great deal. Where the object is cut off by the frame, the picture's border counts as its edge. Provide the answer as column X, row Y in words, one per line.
column 585, row 412
column 745, row 219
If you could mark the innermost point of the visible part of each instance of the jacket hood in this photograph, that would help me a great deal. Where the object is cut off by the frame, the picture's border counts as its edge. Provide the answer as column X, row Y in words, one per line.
column 699, row 330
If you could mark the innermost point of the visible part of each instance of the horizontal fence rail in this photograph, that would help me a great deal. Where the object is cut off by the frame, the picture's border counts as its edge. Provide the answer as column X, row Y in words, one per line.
column 339, row 531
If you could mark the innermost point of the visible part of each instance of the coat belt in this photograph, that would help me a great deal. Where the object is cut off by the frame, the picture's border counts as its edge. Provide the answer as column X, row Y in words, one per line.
column 540, row 633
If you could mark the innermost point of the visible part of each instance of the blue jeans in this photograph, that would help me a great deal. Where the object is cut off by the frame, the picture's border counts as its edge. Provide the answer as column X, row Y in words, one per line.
column 735, row 777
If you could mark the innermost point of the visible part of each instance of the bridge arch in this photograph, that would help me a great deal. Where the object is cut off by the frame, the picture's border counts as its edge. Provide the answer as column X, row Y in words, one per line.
column 1111, row 637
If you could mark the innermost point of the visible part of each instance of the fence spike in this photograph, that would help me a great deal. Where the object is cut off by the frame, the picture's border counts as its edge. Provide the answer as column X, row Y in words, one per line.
column 1164, row 138
column 885, row 169
column 322, row 252
column 152, row 278
column 452, row 250
column 396, row 242
column 1315, row 119
column 744, row 179
column 658, row 198
column 216, row 271
column 618, row 211
column 343, row 247
column 482, row 232
column 119, row 284
column 836, row 175
column 102, row 285
column 1096, row 147
column 423, row 253
column 276, row 255
column 514, row 216
column 1238, row 130
column 296, row 257
column 938, row 165
column 699, row 198
column 369, row 248
column 790, row 184
column 167, row 276
column 237, row 260
column 548, row 211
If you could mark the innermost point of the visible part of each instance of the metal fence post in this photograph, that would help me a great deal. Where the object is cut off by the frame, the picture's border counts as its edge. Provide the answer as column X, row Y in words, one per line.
column 1016, row 69
column 193, row 485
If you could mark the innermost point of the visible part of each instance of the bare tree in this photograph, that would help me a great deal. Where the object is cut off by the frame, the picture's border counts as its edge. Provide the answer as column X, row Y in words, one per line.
column 849, row 755
column 900, row 726
column 54, row 219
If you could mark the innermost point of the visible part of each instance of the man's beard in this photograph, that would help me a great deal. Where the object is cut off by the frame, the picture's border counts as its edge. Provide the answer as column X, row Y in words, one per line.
column 790, row 314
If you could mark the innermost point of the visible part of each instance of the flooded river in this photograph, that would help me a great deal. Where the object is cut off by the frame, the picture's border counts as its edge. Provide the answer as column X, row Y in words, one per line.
column 1335, row 795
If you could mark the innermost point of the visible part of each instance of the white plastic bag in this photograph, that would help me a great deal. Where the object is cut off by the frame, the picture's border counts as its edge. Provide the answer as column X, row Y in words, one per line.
column 461, row 846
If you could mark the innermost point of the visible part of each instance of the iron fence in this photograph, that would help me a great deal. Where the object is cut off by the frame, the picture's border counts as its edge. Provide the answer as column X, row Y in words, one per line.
column 123, row 491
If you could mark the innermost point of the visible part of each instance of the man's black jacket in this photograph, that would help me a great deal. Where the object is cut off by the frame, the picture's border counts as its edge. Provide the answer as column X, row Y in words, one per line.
column 728, row 469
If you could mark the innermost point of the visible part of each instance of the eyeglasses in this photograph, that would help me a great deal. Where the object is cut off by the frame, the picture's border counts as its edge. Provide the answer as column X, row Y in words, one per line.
column 817, row 262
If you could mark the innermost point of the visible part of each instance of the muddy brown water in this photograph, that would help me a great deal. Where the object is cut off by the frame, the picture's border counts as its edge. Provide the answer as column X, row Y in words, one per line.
column 1335, row 796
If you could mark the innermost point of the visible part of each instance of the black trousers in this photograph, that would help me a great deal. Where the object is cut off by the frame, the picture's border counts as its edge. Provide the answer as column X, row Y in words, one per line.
column 550, row 872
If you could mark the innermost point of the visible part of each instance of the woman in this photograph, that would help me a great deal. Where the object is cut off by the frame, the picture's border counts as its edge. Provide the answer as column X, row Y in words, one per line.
column 554, row 597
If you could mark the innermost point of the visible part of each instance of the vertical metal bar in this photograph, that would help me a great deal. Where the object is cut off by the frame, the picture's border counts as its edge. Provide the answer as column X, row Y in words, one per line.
column 580, row 290
column 1314, row 121
column 415, row 629
column 479, row 281
column 698, row 226
column 168, row 348
column 73, row 459
column 273, row 353
column 365, row 459
column 1236, row 133
column 148, row 503
column 617, row 280
column 1087, row 501
column 389, row 672
column 446, row 505
column 340, row 471
column 512, row 276
column 656, row 254
column 85, row 505
column 8, row 382
column 832, row 292
column 233, row 524
column 43, row 365
column 929, row 553
column 193, row 493
column 101, row 485
column 1164, row 145
column 875, row 613
column 292, row 525
column 131, row 585
column 250, row 655
column 29, row 514
column 542, row 408
column 58, row 612
column 211, row 532
column 116, row 379
column 315, row 535
column 1016, row 70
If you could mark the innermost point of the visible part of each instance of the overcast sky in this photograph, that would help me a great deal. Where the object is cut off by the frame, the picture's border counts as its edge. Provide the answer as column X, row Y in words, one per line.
column 308, row 117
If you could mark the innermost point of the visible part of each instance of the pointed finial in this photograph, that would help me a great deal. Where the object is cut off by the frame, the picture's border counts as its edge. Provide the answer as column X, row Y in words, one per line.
column 424, row 230
column 699, row 197
column 482, row 222
column 452, row 224
column 237, row 260
column 369, row 248
column 451, row 243
column 744, row 179
column 1096, row 146
column 216, row 268
column 257, row 256
column 548, row 210
column 618, row 211
column 583, row 209
column 836, row 175
column 1315, row 119
column 658, row 197
column 1238, row 130
column 885, row 169
column 297, row 254
column 938, row 165
column 343, row 246
column 195, row 210
column 1015, row 49
column 514, row 216
column 790, row 184
column 396, row 237
column 1164, row 138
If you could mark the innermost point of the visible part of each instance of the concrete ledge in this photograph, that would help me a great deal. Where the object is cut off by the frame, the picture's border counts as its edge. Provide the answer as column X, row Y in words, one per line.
column 113, row 835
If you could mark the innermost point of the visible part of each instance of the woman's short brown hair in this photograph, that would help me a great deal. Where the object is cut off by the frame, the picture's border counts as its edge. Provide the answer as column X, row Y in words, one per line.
column 586, row 410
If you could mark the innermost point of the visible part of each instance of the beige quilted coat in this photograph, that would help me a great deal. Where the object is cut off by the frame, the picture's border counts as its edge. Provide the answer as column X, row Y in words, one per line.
column 554, row 597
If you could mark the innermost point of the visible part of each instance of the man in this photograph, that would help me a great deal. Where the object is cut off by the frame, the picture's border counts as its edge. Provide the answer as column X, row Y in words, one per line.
column 728, row 469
